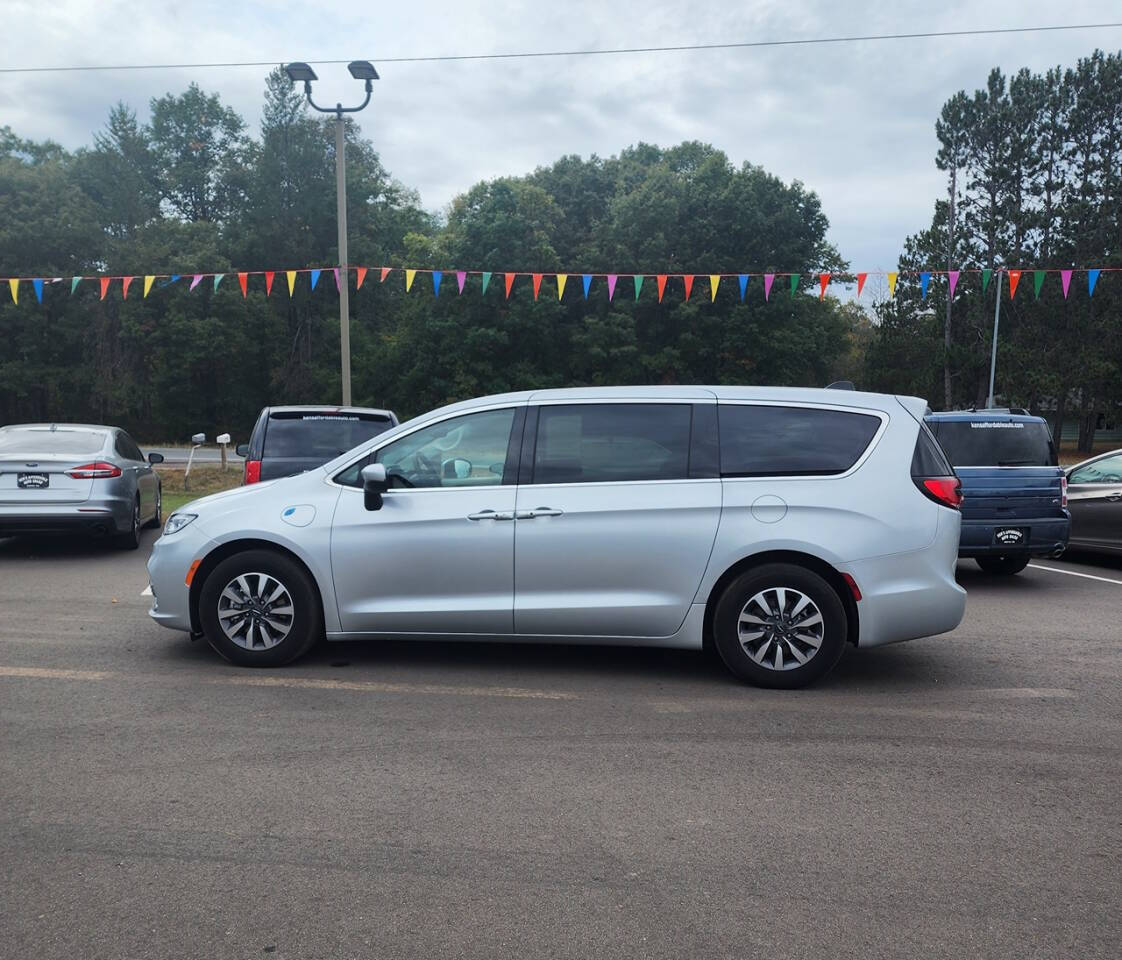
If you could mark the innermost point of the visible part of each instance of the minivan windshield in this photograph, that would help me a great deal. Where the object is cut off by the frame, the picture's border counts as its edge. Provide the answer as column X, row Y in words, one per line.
column 321, row 436
column 995, row 443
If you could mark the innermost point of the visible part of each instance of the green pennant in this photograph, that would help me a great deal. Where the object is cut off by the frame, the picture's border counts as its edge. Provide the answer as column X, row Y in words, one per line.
column 74, row 281
column 638, row 286
column 486, row 279
column 986, row 274
column 794, row 282
column 1037, row 282
column 218, row 279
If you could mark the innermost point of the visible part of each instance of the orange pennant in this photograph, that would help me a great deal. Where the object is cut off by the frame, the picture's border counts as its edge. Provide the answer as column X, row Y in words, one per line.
column 1014, row 279
column 243, row 279
column 361, row 276
column 385, row 273
column 509, row 283
column 660, row 279
column 688, row 281
column 860, row 282
column 125, row 281
column 824, row 282
column 537, row 284
column 104, row 286
column 269, row 281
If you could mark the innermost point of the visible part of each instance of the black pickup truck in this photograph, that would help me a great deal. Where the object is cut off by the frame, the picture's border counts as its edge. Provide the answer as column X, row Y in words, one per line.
column 1015, row 494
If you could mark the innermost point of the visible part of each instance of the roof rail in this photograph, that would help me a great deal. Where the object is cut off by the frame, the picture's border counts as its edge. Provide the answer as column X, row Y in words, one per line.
column 841, row 385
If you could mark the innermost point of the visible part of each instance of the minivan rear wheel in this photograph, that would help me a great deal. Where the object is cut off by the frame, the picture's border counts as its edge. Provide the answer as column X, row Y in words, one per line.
column 260, row 609
column 780, row 625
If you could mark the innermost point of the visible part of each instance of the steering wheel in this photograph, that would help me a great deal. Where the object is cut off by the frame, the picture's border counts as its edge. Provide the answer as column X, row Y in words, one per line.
column 427, row 465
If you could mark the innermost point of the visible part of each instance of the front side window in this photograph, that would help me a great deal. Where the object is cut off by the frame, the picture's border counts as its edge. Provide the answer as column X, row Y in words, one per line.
column 1106, row 470
column 612, row 442
column 772, row 441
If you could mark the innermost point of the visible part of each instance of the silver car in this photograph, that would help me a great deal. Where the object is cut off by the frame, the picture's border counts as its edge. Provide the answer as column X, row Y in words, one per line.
column 779, row 524
column 76, row 478
column 1094, row 492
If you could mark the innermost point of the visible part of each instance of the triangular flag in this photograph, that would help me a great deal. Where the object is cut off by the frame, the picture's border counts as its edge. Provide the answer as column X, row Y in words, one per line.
column 174, row 277
column 952, row 280
column 986, row 274
column 195, row 281
column 612, row 278
column 743, row 285
column 437, row 276
column 769, row 279
column 74, row 281
column 409, row 275
column 823, row 283
column 924, row 281
column 13, row 285
column 794, row 283
column 1037, row 283
column 290, row 276
column 243, row 282
column 586, row 278
column 1092, row 279
column 687, row 279
column 218, row 279
column 1065, row 280
column 37, row 284
column 148, row 283
column 125, row 281
column 660, row 279
column 486, row 279
column 385, row 273
column 104, row 286
column 892, row 285
column 509, row 283
column 861, row 278
column 461, row 278
column 537, row 278
column 335, row 270
column 1014, row 279
column 714, row 282
column 315, row 278
column 269, row 274
column 360, row 275
column 638, row 278
column 562, row 278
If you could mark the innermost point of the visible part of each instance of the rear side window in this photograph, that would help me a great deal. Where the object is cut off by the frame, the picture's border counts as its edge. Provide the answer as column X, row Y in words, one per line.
column 321, row 436
column 66, row 443
column 928, row 459
column 770, row 441
column 612, row 442
column 996, row 443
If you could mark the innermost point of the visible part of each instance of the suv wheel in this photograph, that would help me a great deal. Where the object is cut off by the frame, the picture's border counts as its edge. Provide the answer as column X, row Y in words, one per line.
column 1003, row 566
column 260, row 609
column 780, row 625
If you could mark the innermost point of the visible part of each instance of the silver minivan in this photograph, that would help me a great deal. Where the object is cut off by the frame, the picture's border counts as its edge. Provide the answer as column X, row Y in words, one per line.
column 777, row 524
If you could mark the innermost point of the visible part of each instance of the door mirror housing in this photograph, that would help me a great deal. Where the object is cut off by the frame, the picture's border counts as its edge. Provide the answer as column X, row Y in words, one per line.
column 374, row 484
column 242, row 450
column 155, row 458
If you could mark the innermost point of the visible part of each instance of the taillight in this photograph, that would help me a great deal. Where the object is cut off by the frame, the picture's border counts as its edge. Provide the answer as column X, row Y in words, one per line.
column 94, row 471
column 946, row 491
column 252, row 471
column 1063, row 491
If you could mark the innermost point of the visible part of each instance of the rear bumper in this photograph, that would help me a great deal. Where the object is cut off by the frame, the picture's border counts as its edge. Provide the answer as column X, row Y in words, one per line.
column 1047, row 536
column 92, row 517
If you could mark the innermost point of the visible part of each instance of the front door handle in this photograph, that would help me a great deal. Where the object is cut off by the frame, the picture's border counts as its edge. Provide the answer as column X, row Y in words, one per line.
column 490, row 515
column 538, row 512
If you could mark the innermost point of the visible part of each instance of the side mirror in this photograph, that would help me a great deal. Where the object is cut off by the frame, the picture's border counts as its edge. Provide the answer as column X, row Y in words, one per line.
column 199, row 438
column 242, row 450
column 155, row 458
column 456, row 469
column 374, row 484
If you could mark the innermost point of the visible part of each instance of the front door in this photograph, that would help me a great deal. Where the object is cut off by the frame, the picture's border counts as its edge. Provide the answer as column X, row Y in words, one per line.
column 1095, row 499
column 613, row 533
column 438, row 557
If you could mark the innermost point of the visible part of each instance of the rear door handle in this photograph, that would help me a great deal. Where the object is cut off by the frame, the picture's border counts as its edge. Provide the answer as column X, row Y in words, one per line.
column 538, row 512
column 490, row 515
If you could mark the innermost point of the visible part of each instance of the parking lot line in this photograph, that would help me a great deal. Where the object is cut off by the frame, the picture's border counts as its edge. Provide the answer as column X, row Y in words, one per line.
column 1072, row 573
column 380, row 687
column 52, row 673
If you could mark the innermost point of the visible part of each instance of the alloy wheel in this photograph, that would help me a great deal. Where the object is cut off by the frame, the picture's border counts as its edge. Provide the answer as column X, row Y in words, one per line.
column 255, row 611
column 780, row 628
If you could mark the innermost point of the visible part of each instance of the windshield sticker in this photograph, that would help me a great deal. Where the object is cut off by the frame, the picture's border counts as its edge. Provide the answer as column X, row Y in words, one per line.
column 990, row 425
column 329, row 416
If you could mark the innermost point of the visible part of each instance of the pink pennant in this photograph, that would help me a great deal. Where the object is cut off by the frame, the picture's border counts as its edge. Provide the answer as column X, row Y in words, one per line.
column 1065, row 279
column 461, row 276
column 335, row 270
column 612, row 278
column 952, row 280
column 769, row 279
column 195, row 281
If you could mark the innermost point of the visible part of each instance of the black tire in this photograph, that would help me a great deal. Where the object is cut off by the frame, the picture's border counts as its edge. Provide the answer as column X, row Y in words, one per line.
column 131, row 539
column 157, row 520
column 1004, row 566
column 763, row 580
column 306, row 624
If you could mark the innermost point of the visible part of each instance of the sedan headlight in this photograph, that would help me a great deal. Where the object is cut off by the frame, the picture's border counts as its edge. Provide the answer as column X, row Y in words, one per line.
column 177, row 521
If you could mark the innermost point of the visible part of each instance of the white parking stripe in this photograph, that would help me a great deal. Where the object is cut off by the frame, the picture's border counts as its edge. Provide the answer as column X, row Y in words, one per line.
column 1072, row 573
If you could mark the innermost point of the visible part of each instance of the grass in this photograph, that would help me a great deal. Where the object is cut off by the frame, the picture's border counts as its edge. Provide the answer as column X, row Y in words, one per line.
column 203, row 481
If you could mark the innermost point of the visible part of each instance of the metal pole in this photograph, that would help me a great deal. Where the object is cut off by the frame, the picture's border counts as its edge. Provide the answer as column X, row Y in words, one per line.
column 344, row 276
column 993, row 350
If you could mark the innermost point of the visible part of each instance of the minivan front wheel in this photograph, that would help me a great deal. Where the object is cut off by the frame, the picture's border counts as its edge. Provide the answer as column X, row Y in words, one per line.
column 780, row 625
column 260, row 609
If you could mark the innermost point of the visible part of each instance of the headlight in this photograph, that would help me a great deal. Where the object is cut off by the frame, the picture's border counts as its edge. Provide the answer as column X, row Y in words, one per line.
column 177, row 521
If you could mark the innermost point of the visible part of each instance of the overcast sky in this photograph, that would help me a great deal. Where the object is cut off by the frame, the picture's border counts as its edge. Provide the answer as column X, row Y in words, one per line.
column 854, row 121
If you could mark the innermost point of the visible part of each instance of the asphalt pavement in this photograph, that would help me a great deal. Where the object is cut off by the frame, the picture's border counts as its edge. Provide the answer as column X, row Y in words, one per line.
column 951, row 797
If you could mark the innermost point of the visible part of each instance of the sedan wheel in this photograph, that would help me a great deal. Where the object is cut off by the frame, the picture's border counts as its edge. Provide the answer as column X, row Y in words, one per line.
column 131, row 539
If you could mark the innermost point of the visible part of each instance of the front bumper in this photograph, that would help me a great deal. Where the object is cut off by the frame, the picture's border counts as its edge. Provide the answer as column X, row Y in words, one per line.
column 90, row 517
column 1046, row 538
column 168, row 565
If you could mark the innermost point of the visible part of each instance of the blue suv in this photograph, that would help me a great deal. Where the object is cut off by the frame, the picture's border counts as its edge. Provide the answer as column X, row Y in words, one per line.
column 1015, row 493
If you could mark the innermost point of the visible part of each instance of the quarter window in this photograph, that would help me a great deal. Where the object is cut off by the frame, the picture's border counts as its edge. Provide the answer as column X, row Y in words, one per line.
column 599, row 443
column 772, row 441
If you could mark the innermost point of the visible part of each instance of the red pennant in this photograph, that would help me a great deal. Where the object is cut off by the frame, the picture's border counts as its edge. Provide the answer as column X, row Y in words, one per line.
column 385, row 273
column 1014, row 279
column 537, row 284
column 125, row 281
column 243, row 279
column 509, row 283
column 104, row 286
column 360, row 276
column 269, row 274
column 688, row 281
column 660, row 279
column 824, row 282
column 860, row 282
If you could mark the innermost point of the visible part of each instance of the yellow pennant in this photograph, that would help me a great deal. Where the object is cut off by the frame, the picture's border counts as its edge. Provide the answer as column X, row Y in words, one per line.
column 892, row 284
column 562, row 279
column 148, row 283
column 14, row 285
column 714, row 279
column 409, row 275
column 290, row 276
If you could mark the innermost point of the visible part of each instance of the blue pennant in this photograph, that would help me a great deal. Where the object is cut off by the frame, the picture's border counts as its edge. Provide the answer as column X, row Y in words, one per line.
column 315, row 278
column 38, row 285
column 587, row 278
column 436, row 275
column 1092, row 279
column 743, row 285
column 924, row 280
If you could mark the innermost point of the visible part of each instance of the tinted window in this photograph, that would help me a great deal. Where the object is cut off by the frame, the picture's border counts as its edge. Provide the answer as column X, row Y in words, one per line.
column 319, row 436
column 995, row 443
column 67, row 443
column 127, row 449
column 588, row 443
column 928, row 459
column 1106, row 470
column 767, row 441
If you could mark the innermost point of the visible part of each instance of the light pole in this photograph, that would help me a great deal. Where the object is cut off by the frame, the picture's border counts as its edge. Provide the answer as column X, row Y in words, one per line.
column 360, row 70
column 993, row 348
